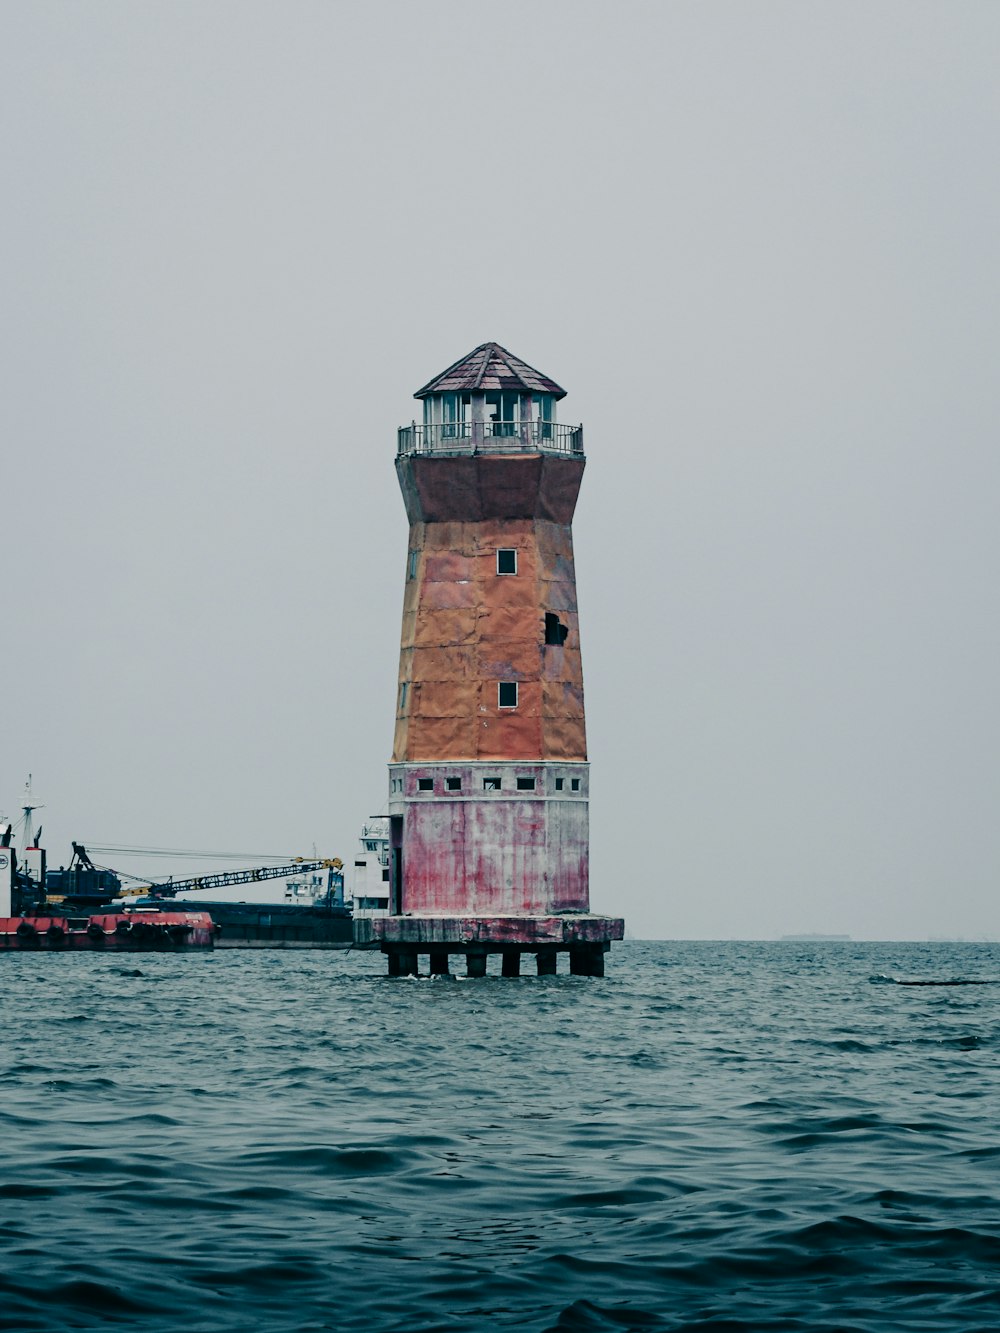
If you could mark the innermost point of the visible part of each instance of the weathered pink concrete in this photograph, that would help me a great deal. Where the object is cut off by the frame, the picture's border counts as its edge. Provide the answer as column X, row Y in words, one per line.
column 421, row 932
column 496, row 855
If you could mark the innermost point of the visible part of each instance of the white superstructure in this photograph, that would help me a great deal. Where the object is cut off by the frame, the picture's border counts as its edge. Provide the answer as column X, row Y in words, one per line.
column 370, row 872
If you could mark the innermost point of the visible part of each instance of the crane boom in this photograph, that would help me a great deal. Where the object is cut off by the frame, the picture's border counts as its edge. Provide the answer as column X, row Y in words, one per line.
column 226, row 877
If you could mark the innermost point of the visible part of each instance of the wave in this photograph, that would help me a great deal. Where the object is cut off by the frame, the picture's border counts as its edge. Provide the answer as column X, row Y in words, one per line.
column 880, row 979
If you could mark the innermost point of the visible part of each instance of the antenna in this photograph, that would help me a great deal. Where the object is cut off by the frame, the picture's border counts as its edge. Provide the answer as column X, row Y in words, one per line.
column 28, row 807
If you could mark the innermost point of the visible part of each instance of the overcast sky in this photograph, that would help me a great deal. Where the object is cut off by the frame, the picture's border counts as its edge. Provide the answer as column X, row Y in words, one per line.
column 757, row 243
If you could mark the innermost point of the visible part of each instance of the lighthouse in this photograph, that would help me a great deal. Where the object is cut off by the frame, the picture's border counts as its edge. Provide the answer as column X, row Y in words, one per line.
column 489, row 779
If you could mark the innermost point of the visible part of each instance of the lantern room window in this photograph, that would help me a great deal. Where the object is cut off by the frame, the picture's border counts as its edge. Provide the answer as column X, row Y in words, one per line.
column 502, row 413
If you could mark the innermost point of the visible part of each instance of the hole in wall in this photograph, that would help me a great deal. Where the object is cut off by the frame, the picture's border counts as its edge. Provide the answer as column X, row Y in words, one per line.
column 555, row 630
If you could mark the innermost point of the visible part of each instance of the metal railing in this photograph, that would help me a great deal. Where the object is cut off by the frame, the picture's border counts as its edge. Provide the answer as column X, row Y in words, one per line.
column 491, row 437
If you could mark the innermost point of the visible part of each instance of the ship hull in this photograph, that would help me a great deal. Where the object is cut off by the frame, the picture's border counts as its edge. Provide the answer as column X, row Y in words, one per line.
column 125, row 932
column 280, row 926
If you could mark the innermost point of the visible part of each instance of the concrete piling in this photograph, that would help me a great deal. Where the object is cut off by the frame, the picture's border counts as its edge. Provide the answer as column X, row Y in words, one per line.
column 511, row 966
column 407, row 963
column 546, row 961
column 587, row 960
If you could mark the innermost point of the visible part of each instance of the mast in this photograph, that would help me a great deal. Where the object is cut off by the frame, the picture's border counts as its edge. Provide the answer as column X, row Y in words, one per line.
column 28, row 808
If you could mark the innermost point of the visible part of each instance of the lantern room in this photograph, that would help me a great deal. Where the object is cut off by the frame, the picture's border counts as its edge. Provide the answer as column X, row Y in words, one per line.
column 490, row 400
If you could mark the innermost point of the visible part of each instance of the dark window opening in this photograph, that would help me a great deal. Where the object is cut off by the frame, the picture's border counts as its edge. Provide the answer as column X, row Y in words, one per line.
column 555, row 630
column 544, row 409
column 506, row 560
column 501, row 413
column 402, row 695
column 455, row 415
column 526, row 784
column 425, row 784
column 559, row 784
column 453, row 784
column 385, row 874
column 491, row 784
column 412, row 568
column 574, row 784
column 507, row 694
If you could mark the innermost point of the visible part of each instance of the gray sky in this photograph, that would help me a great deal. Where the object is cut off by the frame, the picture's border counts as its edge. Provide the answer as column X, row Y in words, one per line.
column 757, row 243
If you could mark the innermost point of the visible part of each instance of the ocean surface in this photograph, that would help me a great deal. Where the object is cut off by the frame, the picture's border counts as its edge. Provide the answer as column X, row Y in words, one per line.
column 716, row 1136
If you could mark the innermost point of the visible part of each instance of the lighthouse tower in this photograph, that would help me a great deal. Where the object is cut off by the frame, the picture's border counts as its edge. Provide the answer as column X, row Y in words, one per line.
column 489, row 781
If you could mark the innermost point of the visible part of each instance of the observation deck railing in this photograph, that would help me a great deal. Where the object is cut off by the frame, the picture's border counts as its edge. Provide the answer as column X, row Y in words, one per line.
column 491, row 437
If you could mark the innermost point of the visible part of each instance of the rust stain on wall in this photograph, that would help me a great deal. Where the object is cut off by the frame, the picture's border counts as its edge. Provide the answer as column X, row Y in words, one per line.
column 467, row 627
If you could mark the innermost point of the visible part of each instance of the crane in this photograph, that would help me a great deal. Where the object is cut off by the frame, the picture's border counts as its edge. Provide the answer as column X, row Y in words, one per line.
column 224, row 878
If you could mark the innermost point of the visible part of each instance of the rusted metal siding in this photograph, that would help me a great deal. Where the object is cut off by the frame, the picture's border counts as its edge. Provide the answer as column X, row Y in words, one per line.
column 466, row 628
column 472, row 487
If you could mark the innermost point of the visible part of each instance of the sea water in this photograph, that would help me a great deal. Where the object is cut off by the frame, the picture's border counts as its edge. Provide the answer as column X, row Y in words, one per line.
column 715, row 1136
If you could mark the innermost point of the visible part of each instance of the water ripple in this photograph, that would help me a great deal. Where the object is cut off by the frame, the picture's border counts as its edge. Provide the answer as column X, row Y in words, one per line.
column 716, row 1137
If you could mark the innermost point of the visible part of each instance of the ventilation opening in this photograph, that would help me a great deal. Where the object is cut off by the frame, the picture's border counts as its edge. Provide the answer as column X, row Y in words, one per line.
column 526, row 784
column 555, row 630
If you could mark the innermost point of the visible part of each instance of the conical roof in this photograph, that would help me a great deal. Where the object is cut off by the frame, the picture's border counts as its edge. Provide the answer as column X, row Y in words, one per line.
column 489, row 368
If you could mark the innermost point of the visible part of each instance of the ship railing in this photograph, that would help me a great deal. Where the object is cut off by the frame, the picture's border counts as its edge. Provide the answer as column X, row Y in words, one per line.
column 491, row 437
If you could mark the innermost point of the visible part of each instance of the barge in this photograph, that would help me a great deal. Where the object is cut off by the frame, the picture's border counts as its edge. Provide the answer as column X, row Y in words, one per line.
column 85, row 906
column 130, row 931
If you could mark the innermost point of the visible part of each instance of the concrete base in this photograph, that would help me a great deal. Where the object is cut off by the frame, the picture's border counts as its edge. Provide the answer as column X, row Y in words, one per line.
column 584, row 936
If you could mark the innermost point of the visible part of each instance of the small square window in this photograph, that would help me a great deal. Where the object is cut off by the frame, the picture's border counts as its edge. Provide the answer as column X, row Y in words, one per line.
column 526, row 784
column 507, row 694
column 425, row 784
column 453, row 784
column 559, row 784
column 491, row 784
column 506, row 560
column 574, row 784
